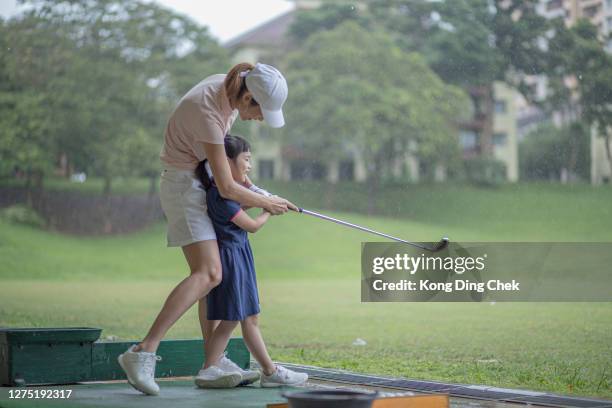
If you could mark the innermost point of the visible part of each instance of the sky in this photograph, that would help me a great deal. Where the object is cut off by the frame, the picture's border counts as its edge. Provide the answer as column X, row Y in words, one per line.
column 225, row 19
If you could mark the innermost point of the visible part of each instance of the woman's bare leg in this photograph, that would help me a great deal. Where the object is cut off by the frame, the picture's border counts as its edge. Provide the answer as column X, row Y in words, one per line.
column 205, row 266
column 255, row 343
column 218, row 341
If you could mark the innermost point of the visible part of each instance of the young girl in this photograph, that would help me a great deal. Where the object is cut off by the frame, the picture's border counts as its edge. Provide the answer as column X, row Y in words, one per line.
column 236, row 299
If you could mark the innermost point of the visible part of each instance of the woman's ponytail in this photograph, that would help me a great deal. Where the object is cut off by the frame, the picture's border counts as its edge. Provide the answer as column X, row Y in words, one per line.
column 235, row 84
column 201, row 174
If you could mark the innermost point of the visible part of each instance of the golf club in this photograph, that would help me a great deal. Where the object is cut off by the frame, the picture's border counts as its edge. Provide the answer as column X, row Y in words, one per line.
column 437, row 247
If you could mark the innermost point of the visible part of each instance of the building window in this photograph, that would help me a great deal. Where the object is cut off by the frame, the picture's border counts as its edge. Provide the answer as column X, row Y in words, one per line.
column 426, row 170
column 307, row 170
column 265, row 169
column 591, row 11
column 346, row 170
column 500, row 106
column 554, row 4
column 468, row 139
column 499, row 139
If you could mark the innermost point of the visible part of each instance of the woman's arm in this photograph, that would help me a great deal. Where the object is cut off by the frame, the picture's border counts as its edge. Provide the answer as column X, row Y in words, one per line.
column 244, row 221
column 249, row 184
column 228, row 188
column 252, row 187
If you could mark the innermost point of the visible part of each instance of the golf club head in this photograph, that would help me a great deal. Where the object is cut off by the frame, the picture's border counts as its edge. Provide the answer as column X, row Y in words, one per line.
column 441, row 245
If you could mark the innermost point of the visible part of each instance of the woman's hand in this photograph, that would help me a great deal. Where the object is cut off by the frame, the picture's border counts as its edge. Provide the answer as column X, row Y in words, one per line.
column 277, row 205
column 290, row 205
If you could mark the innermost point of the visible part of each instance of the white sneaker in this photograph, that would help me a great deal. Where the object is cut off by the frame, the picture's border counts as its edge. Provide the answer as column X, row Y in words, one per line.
column 214, row 377
column 139, row 367
column 283, row 376
column 248, row 376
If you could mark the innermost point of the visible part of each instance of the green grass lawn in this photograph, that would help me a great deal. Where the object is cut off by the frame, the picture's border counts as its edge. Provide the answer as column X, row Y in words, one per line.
column 309, row 276
column 92, row 185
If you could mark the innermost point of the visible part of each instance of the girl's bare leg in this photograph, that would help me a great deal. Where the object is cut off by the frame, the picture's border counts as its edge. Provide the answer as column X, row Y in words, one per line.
column 208, row 326
column 255, row 344
column 218, row 341
column 205, row 266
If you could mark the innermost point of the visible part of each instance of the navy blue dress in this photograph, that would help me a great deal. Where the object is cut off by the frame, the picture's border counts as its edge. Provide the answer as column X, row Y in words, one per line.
column 236, row 296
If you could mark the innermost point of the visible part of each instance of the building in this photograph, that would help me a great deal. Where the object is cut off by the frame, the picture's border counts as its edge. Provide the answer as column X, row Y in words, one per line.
column 601, row 168
column 505, row 134
column 599, row 12
column 503, row 142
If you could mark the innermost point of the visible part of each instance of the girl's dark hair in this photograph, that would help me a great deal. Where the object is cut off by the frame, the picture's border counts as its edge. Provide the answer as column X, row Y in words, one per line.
column 234, row 145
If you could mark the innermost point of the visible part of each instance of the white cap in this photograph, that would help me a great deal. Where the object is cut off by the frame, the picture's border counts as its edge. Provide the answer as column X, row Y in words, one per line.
column 269, row 89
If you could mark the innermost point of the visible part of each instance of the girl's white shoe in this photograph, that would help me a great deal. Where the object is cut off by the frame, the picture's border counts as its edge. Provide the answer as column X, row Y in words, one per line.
column 215, row 377
column 248, row 376
column 283, row 376
column 139, row 367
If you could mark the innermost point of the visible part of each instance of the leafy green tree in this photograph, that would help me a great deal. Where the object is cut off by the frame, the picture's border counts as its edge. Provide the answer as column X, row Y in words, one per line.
column 547, row 151
column 24, row 144
column 32, row 55
column 580, row 78
column 469, row 43
column 325, row 17
column 351, row 88
column 95, row 81
column 108, row 70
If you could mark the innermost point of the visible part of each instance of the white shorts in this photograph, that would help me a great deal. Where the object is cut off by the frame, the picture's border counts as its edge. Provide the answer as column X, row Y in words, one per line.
column 183, row 200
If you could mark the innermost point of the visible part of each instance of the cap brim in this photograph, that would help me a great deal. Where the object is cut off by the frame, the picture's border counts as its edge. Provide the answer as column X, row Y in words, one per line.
column 274, row 119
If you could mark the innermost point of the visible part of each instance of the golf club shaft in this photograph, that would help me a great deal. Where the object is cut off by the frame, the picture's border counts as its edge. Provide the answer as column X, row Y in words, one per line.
column 359, row 227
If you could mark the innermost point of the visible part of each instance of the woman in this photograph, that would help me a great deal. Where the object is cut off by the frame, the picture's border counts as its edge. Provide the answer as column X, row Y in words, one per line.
column 196, row 131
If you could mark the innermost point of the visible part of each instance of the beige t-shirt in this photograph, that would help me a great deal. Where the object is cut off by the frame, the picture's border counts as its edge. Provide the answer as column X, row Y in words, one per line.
column 203, row 115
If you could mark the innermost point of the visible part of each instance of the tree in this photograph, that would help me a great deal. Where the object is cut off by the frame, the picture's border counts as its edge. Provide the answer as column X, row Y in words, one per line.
column 24, row 144
column 95, row 81
column 471, row 43
column 108, row 69
column 31, row 57
column 548, row 152
column 580, row 78
column 354, row 88
column 325, row 17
